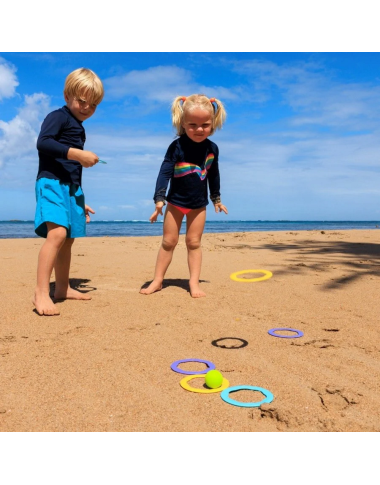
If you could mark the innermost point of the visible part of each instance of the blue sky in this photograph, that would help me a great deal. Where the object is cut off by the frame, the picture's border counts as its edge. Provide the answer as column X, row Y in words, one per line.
column 301, row 140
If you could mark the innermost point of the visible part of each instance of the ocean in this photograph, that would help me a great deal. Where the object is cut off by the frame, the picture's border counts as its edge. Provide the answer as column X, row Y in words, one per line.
column 25, row 229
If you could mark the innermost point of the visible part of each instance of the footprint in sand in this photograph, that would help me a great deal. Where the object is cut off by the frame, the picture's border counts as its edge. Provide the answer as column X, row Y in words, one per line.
column 318, row 344
column 284, row 419
column 335, row 398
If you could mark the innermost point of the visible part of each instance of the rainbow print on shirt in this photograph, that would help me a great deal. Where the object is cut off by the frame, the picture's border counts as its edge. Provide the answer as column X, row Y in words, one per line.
column 183, row 168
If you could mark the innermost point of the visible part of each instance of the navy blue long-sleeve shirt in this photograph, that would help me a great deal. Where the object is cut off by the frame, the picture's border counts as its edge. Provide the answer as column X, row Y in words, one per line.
column 188, row 166
column 60, row 131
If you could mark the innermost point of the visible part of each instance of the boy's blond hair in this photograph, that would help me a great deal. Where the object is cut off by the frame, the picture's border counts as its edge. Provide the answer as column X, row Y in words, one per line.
column 84, row 82
column 179, row 110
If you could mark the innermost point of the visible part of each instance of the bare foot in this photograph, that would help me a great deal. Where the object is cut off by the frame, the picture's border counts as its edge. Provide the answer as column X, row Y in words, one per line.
column 71, row 294
column 195, row 291
column 152, row 288
column 44, row 304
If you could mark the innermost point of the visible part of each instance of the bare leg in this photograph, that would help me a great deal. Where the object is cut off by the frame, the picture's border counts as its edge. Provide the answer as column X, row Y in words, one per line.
column 63, row 291
column 172, row 225
column 195, row 225
column 46, row 260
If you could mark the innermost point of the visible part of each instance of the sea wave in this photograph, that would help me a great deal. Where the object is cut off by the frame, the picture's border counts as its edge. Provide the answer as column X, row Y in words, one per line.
column 136, row 227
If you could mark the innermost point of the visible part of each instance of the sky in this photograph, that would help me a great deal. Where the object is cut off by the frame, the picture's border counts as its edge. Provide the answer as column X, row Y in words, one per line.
column 301, row 139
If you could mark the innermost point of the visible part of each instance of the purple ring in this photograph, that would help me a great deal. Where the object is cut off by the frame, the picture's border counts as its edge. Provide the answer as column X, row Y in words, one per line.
column 273, row 330
column 175, row 367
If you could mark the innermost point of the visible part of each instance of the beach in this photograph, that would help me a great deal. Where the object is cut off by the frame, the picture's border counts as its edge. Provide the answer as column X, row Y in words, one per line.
column 105, row 364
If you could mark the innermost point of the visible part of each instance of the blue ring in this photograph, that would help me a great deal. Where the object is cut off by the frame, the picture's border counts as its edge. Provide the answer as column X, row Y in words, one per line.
column 225, row 396
column 273, row 330
column 175, row 367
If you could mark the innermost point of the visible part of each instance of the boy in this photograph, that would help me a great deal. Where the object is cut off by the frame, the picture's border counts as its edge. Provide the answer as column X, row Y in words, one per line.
column 61, row 213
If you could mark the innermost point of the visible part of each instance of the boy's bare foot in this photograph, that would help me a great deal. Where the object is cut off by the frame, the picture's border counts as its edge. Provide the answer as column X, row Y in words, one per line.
column 44, row 304
column 195, row 291
column 152, row 288
column 70, row 294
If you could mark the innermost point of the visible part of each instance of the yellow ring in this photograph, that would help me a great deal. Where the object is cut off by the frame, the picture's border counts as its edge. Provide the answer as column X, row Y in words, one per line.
column 267, row 275
column 186, row 386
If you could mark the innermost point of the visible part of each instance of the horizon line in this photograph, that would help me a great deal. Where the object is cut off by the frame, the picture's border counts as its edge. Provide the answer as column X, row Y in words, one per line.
column 214, row 220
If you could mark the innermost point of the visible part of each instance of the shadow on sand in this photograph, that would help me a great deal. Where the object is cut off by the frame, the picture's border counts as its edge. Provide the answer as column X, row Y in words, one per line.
column 357, row 259
column 78, row 284
column 180, row 283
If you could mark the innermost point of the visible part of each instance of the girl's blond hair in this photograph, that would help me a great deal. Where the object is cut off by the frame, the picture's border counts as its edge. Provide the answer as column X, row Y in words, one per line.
column 84, row 82
column 182, row 105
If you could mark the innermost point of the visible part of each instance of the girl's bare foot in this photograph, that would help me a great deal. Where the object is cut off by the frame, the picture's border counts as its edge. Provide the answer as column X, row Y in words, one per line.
column 195, row 290
column 44, row 304
column 152, row 288
column 70, row 294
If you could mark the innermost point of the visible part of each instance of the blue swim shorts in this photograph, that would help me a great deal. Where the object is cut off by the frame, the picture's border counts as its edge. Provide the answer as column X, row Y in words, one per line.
column 62, row 204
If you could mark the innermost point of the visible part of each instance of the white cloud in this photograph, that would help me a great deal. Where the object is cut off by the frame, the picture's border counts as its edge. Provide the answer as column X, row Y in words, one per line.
column 8, row 79
column 154, row 84
column 160, row 84
column 263, row 164
column 18, row 137
column 318, row 144
column 145, row 202
column 315, row 95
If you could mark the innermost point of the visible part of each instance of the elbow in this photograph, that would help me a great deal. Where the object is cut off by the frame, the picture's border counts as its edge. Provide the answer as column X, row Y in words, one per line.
column 40, row 144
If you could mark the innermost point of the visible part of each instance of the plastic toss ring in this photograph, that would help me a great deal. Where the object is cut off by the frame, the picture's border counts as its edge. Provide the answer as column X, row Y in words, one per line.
column 274, row 330
column 174, row 366
column 185, row 385
column 225, row 396
column 267, row 275
column 216, row 343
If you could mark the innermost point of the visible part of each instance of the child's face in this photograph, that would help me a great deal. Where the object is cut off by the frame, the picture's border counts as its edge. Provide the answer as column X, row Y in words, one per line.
column 79, row 107
column 197, row 124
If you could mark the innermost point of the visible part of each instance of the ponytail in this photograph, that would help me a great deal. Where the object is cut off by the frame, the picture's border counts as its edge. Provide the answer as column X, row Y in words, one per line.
column 213, row 105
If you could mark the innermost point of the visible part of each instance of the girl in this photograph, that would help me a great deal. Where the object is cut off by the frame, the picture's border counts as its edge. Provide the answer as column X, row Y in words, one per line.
column 190, row 161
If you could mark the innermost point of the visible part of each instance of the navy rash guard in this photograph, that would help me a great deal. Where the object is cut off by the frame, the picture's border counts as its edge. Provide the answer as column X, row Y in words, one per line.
column 188, row 166
column 60, row 131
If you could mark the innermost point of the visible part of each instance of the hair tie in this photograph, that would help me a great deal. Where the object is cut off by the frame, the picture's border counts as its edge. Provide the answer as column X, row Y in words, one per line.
column 212, row 100
column 183, row 98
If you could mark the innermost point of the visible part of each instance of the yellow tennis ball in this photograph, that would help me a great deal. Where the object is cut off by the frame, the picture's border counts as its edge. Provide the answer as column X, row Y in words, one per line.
column 213, row 379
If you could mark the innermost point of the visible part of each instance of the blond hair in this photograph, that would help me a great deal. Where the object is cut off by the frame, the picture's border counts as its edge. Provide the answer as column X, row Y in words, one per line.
column 84, row 82
column 182, row 105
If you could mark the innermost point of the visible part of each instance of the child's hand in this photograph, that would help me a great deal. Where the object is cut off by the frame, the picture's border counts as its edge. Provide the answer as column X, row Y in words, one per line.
column 219, row 207
column 88, row 159
column 84, row 157
column 158, row 211
column 88, row 209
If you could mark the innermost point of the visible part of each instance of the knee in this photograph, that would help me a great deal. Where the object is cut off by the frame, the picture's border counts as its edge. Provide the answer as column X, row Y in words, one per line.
column 193, row 243
column 57, row 236
column 169, row 243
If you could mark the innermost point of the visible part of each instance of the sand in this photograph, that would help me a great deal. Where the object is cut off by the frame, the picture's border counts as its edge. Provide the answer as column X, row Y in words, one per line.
column 104, row 364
